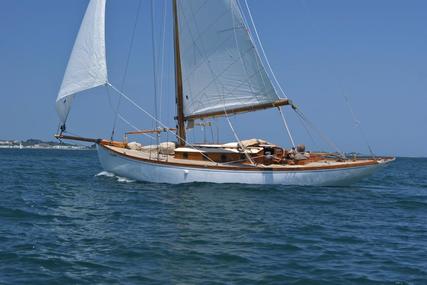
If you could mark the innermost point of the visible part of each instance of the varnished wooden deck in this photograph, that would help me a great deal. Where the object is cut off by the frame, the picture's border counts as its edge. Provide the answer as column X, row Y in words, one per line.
column 323, row 164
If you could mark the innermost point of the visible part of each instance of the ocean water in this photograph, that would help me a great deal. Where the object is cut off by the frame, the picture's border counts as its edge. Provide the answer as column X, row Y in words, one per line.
column 64, row 221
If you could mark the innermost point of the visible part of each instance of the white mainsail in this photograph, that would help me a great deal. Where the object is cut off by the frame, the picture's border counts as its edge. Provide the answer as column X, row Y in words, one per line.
column 221, row 68
column 87, row 66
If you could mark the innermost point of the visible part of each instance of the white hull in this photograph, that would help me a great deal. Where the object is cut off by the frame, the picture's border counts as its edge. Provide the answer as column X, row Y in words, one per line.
column 172, row 174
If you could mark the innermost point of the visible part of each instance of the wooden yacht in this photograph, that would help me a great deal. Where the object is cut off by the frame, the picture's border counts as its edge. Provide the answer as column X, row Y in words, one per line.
column 219, row 72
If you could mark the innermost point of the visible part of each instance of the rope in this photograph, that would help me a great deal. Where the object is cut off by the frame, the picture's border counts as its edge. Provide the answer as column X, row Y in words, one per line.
column 285, row 123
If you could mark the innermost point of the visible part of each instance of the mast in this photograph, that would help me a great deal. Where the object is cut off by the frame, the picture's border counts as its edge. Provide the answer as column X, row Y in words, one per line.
column 178, row 80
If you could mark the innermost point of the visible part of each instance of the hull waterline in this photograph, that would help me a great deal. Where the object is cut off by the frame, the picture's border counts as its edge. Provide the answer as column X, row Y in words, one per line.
column 172, row 174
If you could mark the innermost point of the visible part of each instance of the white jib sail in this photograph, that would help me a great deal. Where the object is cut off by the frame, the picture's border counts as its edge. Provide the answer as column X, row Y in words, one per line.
column 87, row 66
column 220, row 66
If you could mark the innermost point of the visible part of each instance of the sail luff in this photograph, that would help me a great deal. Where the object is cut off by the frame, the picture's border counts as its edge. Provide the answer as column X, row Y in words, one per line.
column 87, row 67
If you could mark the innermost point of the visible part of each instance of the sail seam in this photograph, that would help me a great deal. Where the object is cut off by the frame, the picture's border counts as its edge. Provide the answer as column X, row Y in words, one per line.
column 240, row 54
column 218, row 54
column 236, row 88
column 215, row 79
column 201, row 49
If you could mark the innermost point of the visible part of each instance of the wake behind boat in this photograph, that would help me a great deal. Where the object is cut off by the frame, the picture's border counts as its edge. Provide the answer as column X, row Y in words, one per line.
column 219, row 72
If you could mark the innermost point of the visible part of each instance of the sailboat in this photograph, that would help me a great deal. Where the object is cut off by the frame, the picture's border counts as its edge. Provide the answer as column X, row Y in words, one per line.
column 219, row 72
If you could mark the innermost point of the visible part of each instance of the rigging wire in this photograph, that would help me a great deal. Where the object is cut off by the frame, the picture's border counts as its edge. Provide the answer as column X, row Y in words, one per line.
column 212, row 134
column 154, row 119
column 299, row 113
column 238, row 139
column 244, row 65
column 358, row 125
column 250, row 86
column 117, row 115
column 134, row 127
column 217, row 133
column 306, row 128
column 235, row 133
column 153, row 44
column 264, row 56
column 258, row 59
column 162, row 64
column 285, row 123
column 262, row 49
column 123, row 119
column 325, row 138
column 355, row 120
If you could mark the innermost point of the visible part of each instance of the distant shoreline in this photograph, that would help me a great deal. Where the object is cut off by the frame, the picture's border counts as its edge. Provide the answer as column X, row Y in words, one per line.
column 53, row 145
column 50, row 148
column 39, row 144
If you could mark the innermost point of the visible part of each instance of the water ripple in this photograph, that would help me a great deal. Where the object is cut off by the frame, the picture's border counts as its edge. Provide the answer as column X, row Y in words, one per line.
column 64, row 220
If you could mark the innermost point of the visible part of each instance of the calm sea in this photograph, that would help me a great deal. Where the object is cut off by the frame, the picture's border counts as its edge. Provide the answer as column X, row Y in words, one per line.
column 64, row 221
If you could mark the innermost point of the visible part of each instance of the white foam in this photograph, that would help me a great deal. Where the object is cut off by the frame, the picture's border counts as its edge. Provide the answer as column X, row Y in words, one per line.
column 119, row 178
column 105, row 173
column 124, row 179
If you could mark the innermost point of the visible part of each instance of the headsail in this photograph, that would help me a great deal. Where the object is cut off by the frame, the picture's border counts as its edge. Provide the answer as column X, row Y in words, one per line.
column 220, row 66
column 87, row 67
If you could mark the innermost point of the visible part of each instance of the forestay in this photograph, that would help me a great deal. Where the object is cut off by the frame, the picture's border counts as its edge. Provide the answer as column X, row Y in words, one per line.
column 220, row 65
column 87, row 67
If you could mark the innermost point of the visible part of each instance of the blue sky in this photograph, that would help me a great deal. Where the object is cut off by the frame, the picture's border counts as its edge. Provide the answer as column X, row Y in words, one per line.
column 372, row 52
